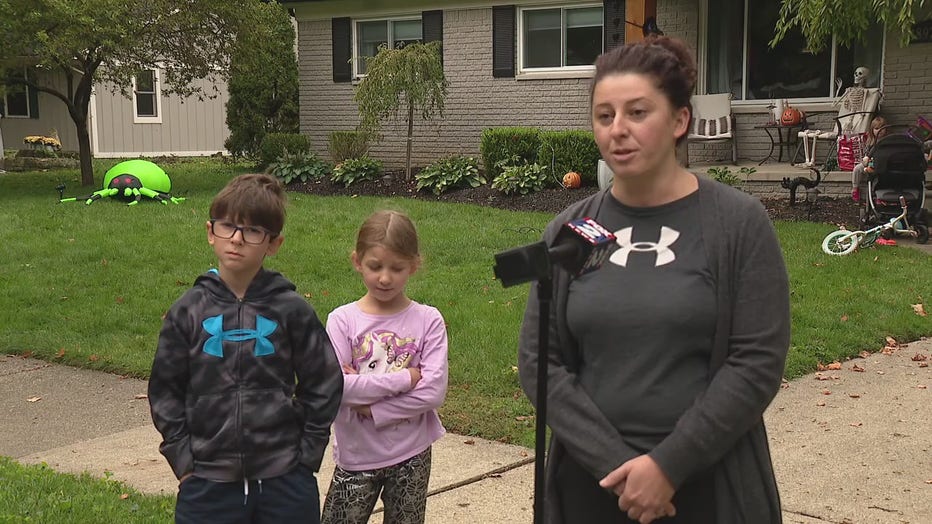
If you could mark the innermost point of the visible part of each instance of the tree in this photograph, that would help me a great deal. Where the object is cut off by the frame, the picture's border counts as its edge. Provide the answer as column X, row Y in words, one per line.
column 263, row 83
column 411, row 78
column 848, row 20
column 92, row 41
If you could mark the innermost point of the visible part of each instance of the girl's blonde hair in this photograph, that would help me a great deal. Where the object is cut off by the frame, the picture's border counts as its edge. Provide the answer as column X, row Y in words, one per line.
column 877, row 122
column 391, row 230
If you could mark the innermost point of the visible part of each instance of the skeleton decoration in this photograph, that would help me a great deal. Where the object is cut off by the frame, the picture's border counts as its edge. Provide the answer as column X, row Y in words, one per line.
column 853, row 98
column 860, row 76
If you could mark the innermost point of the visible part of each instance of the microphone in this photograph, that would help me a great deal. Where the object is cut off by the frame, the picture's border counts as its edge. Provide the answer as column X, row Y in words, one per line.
column 581, row 246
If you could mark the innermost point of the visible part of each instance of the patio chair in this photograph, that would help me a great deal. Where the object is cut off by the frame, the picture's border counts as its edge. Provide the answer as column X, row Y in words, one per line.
column 846, row 123
column 712, row 121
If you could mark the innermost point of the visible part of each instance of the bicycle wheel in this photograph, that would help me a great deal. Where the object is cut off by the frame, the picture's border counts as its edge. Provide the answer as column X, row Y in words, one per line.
column 840, row 242
column 869, row 238
column 922, row 234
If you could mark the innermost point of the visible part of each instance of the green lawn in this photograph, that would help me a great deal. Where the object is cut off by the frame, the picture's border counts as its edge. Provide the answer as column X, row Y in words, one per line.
column 87, row 285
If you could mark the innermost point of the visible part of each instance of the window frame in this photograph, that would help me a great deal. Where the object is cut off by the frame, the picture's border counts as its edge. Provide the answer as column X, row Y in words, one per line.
column 823, row 102
column 520, row 36
column 389, row 20
column 28, row 93
column 156, row 94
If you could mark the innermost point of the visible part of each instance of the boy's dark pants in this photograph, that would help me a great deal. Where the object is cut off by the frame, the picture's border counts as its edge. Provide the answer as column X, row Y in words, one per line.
column 289, row 498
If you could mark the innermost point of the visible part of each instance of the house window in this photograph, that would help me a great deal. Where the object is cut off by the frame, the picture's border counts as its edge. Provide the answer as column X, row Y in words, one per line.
column 146, row 95
column 740, row 61
column 559, row 37
column 18, row 101
column 370, row 34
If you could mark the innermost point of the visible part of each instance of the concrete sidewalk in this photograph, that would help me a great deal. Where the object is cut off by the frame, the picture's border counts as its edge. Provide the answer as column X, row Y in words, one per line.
column 849, row 446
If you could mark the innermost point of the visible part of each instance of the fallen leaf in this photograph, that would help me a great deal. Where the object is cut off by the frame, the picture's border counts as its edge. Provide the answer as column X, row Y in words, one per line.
column 140, row 396
column 826, row 392
column 93, row 358
column 834, row 365
column 856, row 424
column 857, row 368
column 469, row 442
column 844, row 318
column 61, row 353
column 521, row 418
column 929, row 481
column 820, row 376
column 919, row 310
column 921, row 386
column 119, row 300
column 820, row 366
column 854, row 395
column 919, row 357
column 881, row 372
column 181, row 283
column 820, row 403
column 104, row 262
column 864, row 354
column 308, row 295
column 124, row 496
column 923, row 364
column 33, row 399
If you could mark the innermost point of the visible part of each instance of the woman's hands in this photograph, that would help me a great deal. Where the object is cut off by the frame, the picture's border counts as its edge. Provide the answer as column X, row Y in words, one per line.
column 366, row 410
column 643, row 490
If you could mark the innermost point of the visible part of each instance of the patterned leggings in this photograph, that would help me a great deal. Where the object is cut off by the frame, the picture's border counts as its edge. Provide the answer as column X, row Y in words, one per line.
column 353, row 494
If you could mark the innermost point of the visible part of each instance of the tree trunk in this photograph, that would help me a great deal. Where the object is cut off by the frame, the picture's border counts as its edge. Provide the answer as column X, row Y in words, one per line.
column 410, row 138
column 84, row 147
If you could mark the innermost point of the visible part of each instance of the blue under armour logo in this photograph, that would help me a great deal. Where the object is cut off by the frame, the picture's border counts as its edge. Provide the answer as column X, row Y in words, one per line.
column 214, row 344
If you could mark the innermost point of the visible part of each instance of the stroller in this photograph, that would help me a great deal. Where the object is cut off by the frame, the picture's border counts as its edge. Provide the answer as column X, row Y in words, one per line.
column 897, row 169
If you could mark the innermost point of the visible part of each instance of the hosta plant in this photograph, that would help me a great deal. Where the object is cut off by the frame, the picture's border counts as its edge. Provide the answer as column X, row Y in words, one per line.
column 353, row 170
column 449, row 173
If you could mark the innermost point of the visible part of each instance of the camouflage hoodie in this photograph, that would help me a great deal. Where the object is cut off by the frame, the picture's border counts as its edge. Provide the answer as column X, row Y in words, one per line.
column 243, row 388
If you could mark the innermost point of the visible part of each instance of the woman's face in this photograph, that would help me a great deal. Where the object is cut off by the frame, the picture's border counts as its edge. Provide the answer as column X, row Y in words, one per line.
column 634, row 125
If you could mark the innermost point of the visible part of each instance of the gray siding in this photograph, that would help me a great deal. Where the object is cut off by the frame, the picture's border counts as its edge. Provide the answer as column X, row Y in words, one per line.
column 189, row 126
column 52, row 115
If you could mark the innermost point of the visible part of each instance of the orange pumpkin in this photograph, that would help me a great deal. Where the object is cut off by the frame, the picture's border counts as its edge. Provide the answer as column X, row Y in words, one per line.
column 572, row 180
column 791, row 116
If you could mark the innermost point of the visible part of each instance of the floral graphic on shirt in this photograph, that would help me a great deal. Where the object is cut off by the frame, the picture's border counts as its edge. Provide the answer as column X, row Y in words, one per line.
column 381, row 351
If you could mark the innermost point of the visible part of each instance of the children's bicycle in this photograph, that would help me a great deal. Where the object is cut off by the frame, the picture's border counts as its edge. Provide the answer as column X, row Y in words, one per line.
column 842, row 242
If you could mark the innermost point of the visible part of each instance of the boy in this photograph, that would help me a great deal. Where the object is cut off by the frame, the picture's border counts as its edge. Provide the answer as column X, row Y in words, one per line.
column 244, row 384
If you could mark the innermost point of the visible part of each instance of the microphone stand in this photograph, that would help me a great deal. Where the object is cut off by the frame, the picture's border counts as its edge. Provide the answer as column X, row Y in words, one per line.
column 544, row 298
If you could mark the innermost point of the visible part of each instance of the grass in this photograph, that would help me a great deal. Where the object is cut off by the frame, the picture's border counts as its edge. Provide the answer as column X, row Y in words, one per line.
column 38, row 494
column 87, row 285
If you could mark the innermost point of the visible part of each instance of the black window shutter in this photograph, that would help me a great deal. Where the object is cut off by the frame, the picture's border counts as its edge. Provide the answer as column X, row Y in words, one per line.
column 342, row 29
column 33, row 102
column 503, row 41
column 613, row 20
column 432, row 26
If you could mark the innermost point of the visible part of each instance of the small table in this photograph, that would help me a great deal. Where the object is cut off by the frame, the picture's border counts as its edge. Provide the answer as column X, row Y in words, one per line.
column 781, row 142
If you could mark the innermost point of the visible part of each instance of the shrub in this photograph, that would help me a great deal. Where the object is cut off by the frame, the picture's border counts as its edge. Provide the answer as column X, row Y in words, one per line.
column 725, row 176
column 449, row 173
column 348, row 144
column 353, row 170
column 276, row 145
column 503, row 143
column 569, row 150
column 298, row 166
column 519, row 177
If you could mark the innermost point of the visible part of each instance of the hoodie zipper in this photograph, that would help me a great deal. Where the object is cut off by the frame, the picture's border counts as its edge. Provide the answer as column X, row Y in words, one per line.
column 239, row 394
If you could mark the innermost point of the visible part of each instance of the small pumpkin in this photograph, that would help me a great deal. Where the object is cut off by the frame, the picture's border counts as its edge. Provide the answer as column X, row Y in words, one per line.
column 791, row 116
column 572, row 180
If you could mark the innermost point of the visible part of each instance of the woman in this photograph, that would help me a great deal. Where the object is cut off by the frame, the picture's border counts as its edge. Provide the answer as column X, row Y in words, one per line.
column 662, row 362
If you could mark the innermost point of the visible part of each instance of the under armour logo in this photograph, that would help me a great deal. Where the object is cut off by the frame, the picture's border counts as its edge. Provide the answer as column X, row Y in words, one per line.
column 665, row 255
column 214, row 344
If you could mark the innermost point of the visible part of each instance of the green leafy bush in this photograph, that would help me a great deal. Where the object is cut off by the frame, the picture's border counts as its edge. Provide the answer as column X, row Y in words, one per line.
column 569, row 150
column 448, row 173
column 276, row 145
column 502, row 143
column 519, row 177
column 300, row 166
column 348, row 144
column 353, row 170
column 725, row 176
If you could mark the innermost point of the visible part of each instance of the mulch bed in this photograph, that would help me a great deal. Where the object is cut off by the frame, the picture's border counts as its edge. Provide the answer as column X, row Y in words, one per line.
column 828, row 210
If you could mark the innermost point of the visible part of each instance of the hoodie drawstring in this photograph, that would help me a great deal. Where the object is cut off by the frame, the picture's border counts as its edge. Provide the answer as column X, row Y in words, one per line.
column 245, row 490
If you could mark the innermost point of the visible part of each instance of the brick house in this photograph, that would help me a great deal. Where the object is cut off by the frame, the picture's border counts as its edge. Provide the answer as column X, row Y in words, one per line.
column 526, row 63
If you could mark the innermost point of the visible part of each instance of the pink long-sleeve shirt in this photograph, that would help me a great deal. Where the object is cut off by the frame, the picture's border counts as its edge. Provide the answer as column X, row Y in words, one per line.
column 380, row 348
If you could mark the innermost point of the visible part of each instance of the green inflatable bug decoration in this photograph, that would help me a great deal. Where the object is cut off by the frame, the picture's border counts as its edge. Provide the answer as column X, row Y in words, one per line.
column 130, row 181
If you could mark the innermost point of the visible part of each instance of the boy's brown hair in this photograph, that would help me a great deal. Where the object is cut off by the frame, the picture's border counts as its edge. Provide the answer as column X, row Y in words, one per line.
column 252, row 199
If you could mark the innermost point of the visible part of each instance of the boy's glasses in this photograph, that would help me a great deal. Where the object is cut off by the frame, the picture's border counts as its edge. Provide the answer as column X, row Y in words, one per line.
column 251, row 234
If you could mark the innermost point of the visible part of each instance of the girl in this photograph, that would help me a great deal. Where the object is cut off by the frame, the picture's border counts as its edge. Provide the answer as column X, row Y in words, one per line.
column 394, row 356
column 663, row 361
column 877, row 131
